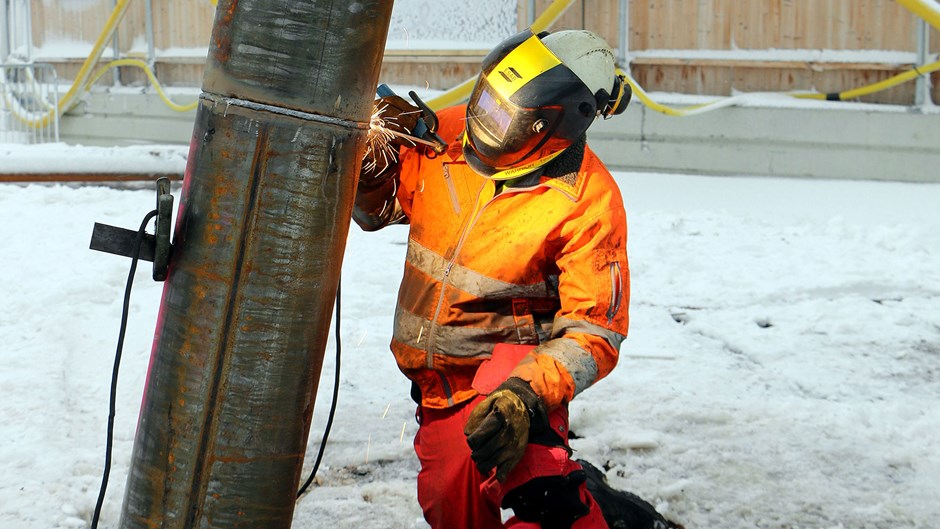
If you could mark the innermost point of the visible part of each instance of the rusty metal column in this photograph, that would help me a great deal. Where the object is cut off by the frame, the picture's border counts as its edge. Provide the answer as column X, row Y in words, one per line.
column 261, row 230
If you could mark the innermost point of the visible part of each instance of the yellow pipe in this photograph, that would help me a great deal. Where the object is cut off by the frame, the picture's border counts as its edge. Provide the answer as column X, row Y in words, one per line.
column 925, row 9
column 462, row 91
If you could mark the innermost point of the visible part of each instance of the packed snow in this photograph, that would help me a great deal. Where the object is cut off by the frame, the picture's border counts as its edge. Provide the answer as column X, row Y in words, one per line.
column 781, row 369
column 63, row 158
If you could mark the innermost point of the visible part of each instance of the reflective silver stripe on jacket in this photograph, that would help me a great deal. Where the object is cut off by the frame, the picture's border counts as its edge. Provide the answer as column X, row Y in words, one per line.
column 473, row 283
column 579, row 362
column 566, row 325
column 413, row 331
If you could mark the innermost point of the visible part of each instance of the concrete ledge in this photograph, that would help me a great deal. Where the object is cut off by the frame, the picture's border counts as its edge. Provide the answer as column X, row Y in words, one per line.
column 128, row 116
column 807, row 139
column 828, row 141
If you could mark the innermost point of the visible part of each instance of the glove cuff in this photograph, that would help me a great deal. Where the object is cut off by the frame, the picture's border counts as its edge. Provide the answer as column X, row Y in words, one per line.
column 538, row 415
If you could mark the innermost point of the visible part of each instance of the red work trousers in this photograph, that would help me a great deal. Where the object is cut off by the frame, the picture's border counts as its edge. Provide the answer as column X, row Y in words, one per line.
column 452, row 492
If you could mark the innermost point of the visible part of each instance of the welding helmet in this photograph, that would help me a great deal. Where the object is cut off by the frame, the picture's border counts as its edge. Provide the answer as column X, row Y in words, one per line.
column 535, row 96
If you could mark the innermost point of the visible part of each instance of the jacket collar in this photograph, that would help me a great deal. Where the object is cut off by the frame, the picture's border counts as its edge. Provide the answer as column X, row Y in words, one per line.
column 571, row 184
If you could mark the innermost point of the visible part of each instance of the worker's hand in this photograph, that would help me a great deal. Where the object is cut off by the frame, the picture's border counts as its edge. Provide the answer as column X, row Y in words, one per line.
column 498, row 428
column 394, row 116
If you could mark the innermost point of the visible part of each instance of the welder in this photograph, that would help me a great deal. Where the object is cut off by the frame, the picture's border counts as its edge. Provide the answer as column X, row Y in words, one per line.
column 516, row 285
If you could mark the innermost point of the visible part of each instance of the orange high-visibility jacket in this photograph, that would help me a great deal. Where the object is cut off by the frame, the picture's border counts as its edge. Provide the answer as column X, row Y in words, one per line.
column 544, row 265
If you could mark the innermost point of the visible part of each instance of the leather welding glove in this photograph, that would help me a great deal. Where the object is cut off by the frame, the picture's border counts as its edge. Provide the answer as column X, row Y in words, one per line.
column 498, row 428
column 378, row 177
column 396, row 115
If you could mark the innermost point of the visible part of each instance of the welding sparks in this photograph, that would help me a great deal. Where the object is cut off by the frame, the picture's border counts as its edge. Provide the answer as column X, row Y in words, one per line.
column 380, row 153
column 383, row 129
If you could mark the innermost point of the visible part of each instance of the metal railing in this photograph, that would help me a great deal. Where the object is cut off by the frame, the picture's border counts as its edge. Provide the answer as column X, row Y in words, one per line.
column 16, row 23
column 29, row 100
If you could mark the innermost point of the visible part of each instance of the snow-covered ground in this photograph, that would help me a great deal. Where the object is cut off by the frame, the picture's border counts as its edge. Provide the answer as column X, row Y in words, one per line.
column 782, row 370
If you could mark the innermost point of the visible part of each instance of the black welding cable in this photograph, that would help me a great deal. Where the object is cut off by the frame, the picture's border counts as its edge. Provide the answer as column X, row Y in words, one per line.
column 329, row 420
column 117, row 364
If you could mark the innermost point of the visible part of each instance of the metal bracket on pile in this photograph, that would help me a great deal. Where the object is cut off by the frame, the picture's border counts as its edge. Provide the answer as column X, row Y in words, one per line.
column 154, row 248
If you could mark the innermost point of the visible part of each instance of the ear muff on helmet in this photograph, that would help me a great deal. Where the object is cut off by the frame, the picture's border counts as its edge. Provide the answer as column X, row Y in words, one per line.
column 618, row 99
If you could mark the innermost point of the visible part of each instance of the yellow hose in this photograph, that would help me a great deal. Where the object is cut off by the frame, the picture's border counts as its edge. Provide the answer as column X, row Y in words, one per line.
column 462, row 91
column 875, row 87
column 79, row 83
column 641, row 94
column 904, row 77
column 925, row 9
column 150, row 75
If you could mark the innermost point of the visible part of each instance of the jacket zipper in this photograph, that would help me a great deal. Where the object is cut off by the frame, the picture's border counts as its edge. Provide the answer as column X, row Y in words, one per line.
column 453, row 260
column 616, row 291
column 450, row 265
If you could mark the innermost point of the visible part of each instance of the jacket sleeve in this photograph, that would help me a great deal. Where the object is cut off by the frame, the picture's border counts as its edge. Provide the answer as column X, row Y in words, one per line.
column 594, row 290
column 376, row 205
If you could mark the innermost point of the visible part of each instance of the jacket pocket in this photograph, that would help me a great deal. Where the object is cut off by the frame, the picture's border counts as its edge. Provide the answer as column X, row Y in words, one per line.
column 525, row 322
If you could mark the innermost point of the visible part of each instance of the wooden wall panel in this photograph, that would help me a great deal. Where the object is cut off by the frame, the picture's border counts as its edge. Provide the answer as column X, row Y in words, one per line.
column 176, row 23
column 182, row 24
column 438, row 73
column 81, row 23
column 770, row 24
column 681, row 24
column 599, row 16
column 935, row 84
column 654, row 25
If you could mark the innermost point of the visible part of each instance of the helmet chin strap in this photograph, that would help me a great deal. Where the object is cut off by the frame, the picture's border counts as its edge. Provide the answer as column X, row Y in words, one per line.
column 522, row 170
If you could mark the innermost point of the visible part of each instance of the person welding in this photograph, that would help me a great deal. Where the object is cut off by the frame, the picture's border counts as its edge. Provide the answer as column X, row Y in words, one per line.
column 516, row 285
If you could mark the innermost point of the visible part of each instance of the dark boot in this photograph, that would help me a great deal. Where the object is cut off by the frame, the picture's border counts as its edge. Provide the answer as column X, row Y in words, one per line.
column 622, row 510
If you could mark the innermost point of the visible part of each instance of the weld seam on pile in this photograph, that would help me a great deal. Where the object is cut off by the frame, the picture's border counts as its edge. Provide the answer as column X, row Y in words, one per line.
column 261, row 107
